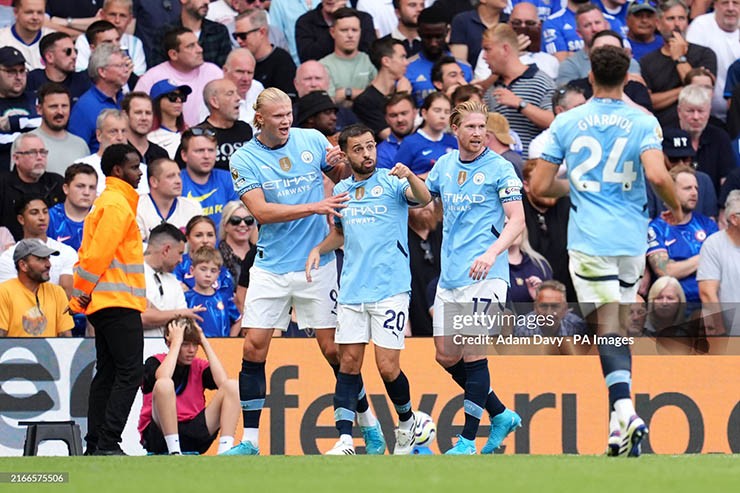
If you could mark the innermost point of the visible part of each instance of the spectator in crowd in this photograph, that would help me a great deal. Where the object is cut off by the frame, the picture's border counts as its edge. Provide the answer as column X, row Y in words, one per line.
column 184, row 66
column 239, row 68
column 527, row 269
column 164, row 202
column 174, row 417
column 33, row 216
column 109, row 73
column 525, row 21
column 718, row 274
column 676, row 329
column 425, row 245
column 169, row 124
column 719, row 31
column 72, row 17
column 312, row 30
column 447, row 75
column 563, row 99
column 382, row 12
column 673, row 249
column 111, row 255
column 24, row 35
column 317, row 110
column 642, row 23
column 399, row 114
column 389, row 59
column 228, row 15
column 201, row 231
column 433, row 30
column 31, row 306
column 522, row 94
column 407, row 12
column 150, row 17
column 59, row 56
column 54, row 101
column 499, row 140
column 17, row 108
column 120, row 14
column 283, row 16
column 468, row 28
column 466, row 93
column 313, row 76
column 138, row 109
column 551, row 306
column 164, row 295
column 213, row 37
column 100, row 32
column 221, row 315
column 713, row 148
column 111, row 127
column 664, row 69
column 66, row 219
column 731, row 183
column 211, row 188
column 29, row 177
column 350, row 70
column 274, row 66
column 423, row 148
column 237, row 237
column 677, row 150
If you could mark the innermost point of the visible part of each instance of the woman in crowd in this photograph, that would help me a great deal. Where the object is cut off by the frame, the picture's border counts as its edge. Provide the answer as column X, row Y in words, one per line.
column 169, row 124
column 527, row 269
column 201, row 231
column 238, row 235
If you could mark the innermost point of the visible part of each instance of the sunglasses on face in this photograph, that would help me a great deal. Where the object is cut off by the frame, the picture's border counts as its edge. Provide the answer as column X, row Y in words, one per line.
column 201, row 132
column 69, row 51
column 174, row 97
column 242, row 36
column 236, row 220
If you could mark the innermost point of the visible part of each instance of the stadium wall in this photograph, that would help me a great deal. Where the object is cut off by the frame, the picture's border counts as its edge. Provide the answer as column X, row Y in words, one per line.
column 691, row 403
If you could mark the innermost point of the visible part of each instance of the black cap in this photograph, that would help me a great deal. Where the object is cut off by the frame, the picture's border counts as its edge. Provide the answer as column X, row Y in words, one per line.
column 313, row 103
column 10, row 57
column 677, row 143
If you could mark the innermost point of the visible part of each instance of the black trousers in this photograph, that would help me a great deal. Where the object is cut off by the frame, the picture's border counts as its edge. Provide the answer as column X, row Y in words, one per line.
column 119, row 346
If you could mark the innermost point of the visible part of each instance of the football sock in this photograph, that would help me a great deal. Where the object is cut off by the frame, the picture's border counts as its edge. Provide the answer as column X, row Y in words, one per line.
column 477, row 384
column 225, row 443
column 252, row 391
column 173, row 443
column 616, row 365
column 362, row 403
column 398, row 391
column 457, row 372
column 494, row 406
column 345, row 402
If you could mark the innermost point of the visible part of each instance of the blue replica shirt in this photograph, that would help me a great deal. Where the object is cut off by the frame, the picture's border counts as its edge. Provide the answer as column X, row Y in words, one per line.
column 419, row 73
column 620, row 14
column 601, row 143
column 386, row 152
column 681, row 242
column 559, row 31
column 85, row 112
column 212, row 195
column 63, row 229
column 473, row 194
column 544, row 7
column 419, row 153
column 224, row 284
column 375, row 225
column 290, row 174
column 219, row 315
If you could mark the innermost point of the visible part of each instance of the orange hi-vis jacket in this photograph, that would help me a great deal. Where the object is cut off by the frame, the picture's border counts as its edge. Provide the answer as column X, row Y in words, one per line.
column 111, row 258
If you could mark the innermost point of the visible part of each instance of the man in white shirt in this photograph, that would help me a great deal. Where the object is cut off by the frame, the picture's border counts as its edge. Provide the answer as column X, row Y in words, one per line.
column 27, row 31
column 239, row 68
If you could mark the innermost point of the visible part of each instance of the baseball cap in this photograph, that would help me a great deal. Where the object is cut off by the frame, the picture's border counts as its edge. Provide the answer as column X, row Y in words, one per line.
column 677, row 143
column 499, row 126
column 312, row 103
column 166, row 86
column 10, row 57
column 640, row 6
column 32, row 246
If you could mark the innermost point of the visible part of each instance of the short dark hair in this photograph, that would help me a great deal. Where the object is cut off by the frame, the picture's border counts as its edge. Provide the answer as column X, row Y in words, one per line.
column 52, row 88
column 609, row 65
column 115, row 155
column 437, row 67
column 78, row 169
column 126, row 102
column 154, row 168
column 96, row 28
column 354, row 130
column 433, row 15
column 464, row 93
column 167, row 231
column 397, row 97
column 344, row 13
column 382, row 47
column 196, row 220
column 171, row 39
column 22, row 203
column 609, row 33
column 48, row 41
column 585, row 8
column 559, row 95
column 432, row 97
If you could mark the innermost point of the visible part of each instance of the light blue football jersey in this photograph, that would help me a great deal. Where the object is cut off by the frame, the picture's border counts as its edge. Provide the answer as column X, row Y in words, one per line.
column 601, row 143
column 376, row 252
column 291, row 175
column 472, row 194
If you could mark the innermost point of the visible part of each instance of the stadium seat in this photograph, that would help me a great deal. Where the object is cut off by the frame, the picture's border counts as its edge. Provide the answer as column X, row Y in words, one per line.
column 39, row 431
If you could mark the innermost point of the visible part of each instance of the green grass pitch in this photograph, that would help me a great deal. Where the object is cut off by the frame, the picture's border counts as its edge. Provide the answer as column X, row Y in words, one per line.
column 501, row 473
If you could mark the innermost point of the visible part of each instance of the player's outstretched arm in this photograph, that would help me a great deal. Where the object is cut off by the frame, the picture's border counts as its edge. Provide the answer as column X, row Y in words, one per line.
column 544, row 181
column 337, row 159
column 334, row 240
column 417, row 191
column 217, row 370
column 657, row 174
column 269, row 212
column 167, row 367
column 515, row 225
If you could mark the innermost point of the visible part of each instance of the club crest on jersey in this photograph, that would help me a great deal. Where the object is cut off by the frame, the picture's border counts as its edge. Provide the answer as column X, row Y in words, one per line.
column 377, row 191
column 700, row 235
column 306, row 157
column 479, row 178
column 234, row 174
column 285, row 164
column 461, row 177
column 359, row 193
